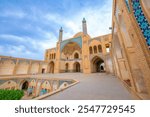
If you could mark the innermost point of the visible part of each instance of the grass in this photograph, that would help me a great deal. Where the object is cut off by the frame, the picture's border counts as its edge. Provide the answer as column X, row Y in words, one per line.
column 11, row 94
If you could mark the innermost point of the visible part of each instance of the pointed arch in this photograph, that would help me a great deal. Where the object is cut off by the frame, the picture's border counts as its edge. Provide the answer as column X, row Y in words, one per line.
column 76, row 67
column 97, row 64
column 95, row 49
column 76, row 55
column 52, row 67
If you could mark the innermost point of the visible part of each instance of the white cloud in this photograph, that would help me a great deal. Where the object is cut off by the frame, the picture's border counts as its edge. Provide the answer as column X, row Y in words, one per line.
column 11, row 37
column 26, row 46
column 13, row 13
column 98, row 23
column 17, row 51
column 98, row 20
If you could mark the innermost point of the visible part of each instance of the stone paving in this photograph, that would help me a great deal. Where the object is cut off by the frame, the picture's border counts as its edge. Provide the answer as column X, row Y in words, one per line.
column 96, row 86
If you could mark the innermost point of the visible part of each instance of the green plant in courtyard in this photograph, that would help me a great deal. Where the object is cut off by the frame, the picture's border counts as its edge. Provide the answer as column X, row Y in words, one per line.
column 11, row 94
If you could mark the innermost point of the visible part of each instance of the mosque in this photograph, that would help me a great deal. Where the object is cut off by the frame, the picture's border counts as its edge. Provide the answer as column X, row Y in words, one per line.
column 81, row 53
column 124, row 53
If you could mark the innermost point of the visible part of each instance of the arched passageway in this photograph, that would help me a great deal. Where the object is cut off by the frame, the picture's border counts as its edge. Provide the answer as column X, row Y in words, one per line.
column 25, row 85
column 43, row 70
column 67, row 67
column 77, row 67
column 52, row 65
column 97, row 64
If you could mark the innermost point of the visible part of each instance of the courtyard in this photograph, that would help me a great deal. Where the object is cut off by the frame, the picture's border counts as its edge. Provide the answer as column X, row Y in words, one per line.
column 96, row 86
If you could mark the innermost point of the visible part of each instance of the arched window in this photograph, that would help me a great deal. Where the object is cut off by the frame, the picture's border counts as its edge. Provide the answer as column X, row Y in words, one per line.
column 76, row 55
column 90, row 49
column 99, row 48
column 95, row 49
column 49, row 56
column 54, row 55
column 107, row 48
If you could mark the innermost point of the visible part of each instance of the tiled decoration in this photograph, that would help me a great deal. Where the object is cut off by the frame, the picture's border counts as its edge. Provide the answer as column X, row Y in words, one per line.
column 127, row 3
column 141, row 20
column 77, row 40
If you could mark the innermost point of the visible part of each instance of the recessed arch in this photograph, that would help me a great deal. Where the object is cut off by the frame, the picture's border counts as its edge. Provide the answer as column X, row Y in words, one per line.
column 22, row 68
column 10, row 84
column 76, row 55
column 62, row 86
column 67, row 67
column 45, row 87
column 32, row 87
column 7, row 67
column 77, row 40
column 51, row 66
column 24, row 85
column 99, row 48
column 97, row 64
column 90, row 50
column 70, row 48
column 95, row 49
column 76, row 67
column 34, row 68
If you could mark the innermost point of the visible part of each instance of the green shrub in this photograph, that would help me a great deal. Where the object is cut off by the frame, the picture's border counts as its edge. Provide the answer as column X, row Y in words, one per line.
column 11, row 94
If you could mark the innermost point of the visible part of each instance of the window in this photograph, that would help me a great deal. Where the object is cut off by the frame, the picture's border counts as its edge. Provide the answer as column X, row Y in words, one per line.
column 52, row 56
column 76, row 55
column 99, row 48
column 107, row 48
column 90, row 49
column 95, row 49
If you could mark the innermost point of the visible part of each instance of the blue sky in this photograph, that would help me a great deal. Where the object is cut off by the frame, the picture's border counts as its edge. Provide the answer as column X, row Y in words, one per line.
column 28, row 27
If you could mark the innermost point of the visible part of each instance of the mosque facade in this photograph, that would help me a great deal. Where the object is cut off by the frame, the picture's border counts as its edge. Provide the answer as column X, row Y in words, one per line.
column 81, row 53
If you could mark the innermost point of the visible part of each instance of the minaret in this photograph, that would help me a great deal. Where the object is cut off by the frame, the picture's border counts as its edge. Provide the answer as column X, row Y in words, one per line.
column 60, row 34
column 84, row 27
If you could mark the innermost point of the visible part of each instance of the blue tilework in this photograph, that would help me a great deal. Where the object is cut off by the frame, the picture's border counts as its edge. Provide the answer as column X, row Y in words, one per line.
column 77, row 40
column 141, row 20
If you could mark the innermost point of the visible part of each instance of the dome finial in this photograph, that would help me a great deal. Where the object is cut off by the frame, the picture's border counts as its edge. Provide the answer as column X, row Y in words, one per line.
column 61, row 29
column 83, row 19
column 84, row 26
column 60, row 34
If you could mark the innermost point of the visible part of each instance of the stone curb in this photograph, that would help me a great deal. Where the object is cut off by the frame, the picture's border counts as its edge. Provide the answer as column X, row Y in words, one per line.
column 57, row 91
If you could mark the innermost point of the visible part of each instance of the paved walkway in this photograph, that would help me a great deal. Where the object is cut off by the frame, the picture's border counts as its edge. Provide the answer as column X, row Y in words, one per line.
column 96, row 86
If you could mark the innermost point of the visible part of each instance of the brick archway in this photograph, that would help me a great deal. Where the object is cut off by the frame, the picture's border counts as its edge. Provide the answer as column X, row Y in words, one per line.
column 97, row 64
